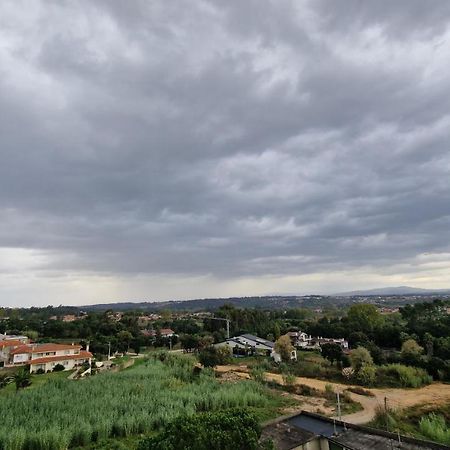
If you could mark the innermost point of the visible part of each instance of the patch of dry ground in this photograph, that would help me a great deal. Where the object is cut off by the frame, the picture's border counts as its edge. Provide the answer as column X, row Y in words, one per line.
column 436, row 393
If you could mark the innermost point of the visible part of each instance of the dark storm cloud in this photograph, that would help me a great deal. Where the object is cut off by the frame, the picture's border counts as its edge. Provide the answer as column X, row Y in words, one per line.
column 224, row 138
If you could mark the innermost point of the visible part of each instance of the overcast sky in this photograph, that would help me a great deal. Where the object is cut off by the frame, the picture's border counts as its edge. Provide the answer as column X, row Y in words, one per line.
column 181, row 149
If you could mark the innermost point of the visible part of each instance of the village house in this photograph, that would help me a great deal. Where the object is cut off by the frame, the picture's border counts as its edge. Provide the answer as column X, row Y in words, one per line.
column 44, row 357
column 251, row 344
column 8, row 343
column 164, row 332
column 304, row 341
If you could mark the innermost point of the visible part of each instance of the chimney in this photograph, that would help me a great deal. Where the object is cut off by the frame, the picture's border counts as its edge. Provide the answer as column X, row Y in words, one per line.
column 87, row 347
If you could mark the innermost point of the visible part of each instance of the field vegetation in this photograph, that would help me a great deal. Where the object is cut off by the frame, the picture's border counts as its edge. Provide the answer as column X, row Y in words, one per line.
column 428, row 422
column 64, row 414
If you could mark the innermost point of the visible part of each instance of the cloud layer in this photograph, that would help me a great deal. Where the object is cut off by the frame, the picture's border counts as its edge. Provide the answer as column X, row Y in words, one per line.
column 180, row 149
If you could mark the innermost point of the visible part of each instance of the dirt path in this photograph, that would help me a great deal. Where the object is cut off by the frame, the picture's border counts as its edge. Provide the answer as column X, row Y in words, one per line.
column 436, row 393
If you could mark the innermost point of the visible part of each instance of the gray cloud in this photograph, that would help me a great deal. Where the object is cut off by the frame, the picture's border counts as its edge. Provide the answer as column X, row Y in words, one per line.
column 224, row 139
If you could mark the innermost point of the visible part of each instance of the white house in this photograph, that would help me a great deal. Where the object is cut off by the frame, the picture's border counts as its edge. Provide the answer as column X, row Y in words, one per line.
column 302, row 340
column 254, row 344
column 46, row 356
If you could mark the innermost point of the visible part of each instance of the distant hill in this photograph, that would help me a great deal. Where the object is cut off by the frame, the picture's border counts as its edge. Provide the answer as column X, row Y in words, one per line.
column 397, row 290
column 211, row 304
column 272, row 302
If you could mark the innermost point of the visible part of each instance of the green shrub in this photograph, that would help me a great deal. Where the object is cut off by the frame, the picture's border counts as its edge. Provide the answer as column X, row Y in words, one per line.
column 398, row 375
column 227, row 430
column 58, row 368
column 433, row 426
column 258, row 374
column 366, row 375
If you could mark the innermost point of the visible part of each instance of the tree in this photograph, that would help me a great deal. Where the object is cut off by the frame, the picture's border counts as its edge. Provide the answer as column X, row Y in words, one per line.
column 125, row 338
column 360, row 357
column 22, row 379
column 224, row 354
column 332, row 352
column 284, row 348
column 411, row 348
column 227, row 430
column 411, row 352
column 363, row 317
column 276, row 330
column 211, row 356
column 189, row 342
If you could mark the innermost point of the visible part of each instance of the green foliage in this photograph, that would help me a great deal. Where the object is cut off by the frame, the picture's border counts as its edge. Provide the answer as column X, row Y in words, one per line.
column 213, row 356
column 134, row 401
column 434, row 427
column 411, row 349
column 398, row 375
column 364, row 318
column 284, row 347
column 360, row 357
column 22, row 378
column 227, row 430
column 329, row 391
column 366, row 375
column 289, row 380
column 332, row 352
column 5, row 380
column 58, row 368
column 258, row 374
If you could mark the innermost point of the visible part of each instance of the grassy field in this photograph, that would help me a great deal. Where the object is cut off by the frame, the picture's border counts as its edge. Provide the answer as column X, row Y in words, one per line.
column 56, row 413
column 37, row 381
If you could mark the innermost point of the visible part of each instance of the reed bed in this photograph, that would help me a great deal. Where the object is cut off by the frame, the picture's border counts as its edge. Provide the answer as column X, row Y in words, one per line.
column 62, row 414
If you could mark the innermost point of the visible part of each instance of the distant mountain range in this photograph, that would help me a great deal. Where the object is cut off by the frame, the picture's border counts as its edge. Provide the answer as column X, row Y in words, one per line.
column 397, row 290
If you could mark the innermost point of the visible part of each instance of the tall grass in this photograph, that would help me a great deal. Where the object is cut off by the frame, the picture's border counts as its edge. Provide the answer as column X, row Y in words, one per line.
column 434, row 427
column 63, row 414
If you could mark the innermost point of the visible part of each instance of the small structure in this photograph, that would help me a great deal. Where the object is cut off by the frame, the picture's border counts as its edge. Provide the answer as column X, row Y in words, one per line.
column 309, row 431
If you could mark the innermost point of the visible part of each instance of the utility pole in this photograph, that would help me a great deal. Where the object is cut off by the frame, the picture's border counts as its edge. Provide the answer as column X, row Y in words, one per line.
column 109, row 351
column 339, row 405
column 386, row 414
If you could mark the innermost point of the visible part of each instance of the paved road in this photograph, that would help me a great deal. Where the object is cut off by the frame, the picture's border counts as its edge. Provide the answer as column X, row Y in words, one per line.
column 436, row 393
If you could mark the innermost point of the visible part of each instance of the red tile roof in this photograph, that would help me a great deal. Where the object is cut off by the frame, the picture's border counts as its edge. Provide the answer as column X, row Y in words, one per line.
column 11, row 343
column 43, row 348
column 82, row 355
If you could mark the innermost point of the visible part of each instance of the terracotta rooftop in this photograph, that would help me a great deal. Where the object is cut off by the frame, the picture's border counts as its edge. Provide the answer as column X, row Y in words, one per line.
column 43, row 348
column 11, row 343
column 82, row 355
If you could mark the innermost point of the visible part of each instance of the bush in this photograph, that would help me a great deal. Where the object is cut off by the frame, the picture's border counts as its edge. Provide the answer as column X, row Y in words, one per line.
column 366, row 375
column 58, row 368
column 329, row 392
column 213, row 356
column 228, row 430
column 258, row 374
column 289, row 380
column 398, row 375
column 40, row 372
